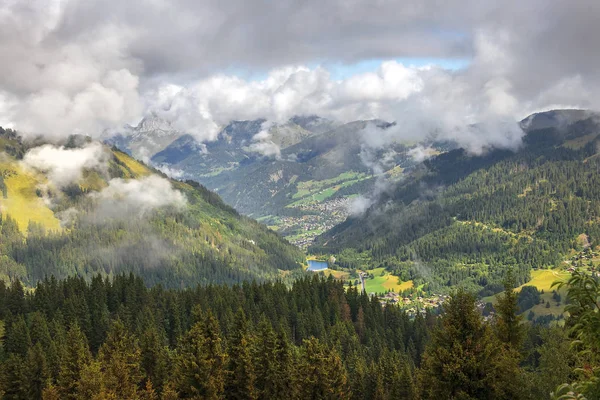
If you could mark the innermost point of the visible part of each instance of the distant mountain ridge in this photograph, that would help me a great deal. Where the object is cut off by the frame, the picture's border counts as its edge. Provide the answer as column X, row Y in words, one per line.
column 281, row 172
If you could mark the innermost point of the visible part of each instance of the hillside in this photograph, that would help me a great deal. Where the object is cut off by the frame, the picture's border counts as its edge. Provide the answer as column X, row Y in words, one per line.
column 83, row 208
column 467, row 219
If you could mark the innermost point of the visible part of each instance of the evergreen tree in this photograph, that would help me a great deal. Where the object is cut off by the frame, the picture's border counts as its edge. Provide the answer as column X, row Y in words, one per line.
column 508, row 323
column 323, row 375
column 17, row 337
column 199, row 371
column 14, row 378
column 154, row 356
column 76, row 357
column 272, row 363
column 120, row 358
column 465, row 360
column 241, row 374
column 37, row 371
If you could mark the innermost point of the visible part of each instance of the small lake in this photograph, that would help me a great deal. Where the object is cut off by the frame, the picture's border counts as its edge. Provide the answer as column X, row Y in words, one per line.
column 315, row 265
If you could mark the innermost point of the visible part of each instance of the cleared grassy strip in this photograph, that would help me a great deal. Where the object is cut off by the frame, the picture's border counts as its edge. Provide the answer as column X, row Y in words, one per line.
column 134, row 166
column 542, row 279
column 308, row 188
column 384, row 283
column 22, row 202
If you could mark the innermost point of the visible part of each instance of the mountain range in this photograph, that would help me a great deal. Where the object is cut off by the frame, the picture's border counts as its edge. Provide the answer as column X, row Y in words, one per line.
column 298, row 177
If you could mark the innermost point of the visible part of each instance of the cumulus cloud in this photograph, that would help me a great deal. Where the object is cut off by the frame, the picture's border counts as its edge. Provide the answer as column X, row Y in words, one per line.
column 124, row 199
column 65, row 166
column 76, row 66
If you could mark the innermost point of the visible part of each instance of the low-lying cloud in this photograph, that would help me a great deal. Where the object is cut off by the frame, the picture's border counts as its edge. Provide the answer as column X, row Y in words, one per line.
column 65, row 166
column 125, row 199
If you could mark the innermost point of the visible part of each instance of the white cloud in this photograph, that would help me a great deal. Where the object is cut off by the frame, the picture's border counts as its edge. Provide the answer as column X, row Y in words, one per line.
column 125, row 199
column 85, row 66
column 65, row 166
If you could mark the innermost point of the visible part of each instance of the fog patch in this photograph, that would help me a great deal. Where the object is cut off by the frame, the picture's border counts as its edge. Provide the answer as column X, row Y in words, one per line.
column 125, row 199
column 64, row 166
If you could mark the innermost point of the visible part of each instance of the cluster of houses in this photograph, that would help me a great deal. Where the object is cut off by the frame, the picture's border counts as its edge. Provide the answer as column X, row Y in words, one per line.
column 413, row 304
column 583, row 259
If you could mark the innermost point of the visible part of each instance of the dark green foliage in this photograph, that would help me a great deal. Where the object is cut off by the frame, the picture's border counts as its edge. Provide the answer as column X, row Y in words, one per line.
column 583, row 295
column 311, row 340
column 508, row 323
column 465, row 360
column 203, row 242
column 242, row 375
column 528, row 297
column 464, row 219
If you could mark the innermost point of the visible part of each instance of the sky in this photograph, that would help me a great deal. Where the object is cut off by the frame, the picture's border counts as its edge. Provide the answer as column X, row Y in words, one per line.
column 90, row 66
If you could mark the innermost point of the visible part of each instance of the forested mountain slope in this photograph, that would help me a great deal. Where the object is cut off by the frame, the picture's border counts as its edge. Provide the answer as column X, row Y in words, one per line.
column 83, row 208
column 466, row 219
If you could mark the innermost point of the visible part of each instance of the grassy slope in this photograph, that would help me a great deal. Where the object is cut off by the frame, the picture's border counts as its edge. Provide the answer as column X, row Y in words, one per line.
column 382, row 284
column 22, row 202
column 542, row 279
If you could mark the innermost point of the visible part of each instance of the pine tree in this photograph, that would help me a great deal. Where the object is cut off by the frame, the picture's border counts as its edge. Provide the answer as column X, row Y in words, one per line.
column 91, row 383
column 14, row 378
column 148, row 393
column 154, row 356
column 241, row 374
column 199, row 371
column 272, row 363
column 37, row 371
column 323, row 374
column 120, row 358
column 508, row 323
column 406, row 387
column 465, row 360
column 76, row 357
column 51, row 392
column 17, row 337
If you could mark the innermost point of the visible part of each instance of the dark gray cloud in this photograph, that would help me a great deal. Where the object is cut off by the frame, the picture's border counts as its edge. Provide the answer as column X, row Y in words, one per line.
column 85, row 66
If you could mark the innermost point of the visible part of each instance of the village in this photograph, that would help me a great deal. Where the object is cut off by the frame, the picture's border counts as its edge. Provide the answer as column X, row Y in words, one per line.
column 413, row 303
column 319, row 217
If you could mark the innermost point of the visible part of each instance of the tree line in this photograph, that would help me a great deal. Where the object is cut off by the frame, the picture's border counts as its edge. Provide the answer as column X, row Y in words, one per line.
column 117, row 338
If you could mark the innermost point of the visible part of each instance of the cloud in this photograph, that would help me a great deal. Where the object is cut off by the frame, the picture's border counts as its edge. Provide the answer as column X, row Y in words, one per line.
column 420, row 153
column 126, row 199
column 74, row 66
column 65, row 166
column 171, row 172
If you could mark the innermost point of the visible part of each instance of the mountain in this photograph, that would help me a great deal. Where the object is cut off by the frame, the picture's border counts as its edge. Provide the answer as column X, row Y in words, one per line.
column 466, row 219
column 297, row 177
column 151, row 135
column 85, row 209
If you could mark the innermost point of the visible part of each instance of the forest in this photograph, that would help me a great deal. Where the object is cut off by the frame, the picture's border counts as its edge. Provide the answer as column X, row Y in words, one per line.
column 63, row 230
column 118, row 339
column 469, row 218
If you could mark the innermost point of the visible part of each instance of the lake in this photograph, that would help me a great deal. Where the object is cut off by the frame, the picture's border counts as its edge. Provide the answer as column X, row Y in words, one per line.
column 315, row 265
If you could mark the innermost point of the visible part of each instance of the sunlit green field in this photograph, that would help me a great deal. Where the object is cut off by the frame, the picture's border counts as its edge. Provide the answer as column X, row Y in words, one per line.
column 385, row 283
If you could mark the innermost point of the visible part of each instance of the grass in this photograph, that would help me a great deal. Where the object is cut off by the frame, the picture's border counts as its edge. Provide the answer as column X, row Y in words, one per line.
column 22, row 202
column 341, row 275
column 579, row 142
column 137, row 168
column 317, row 191
column 385, row 283
column 542, row 279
